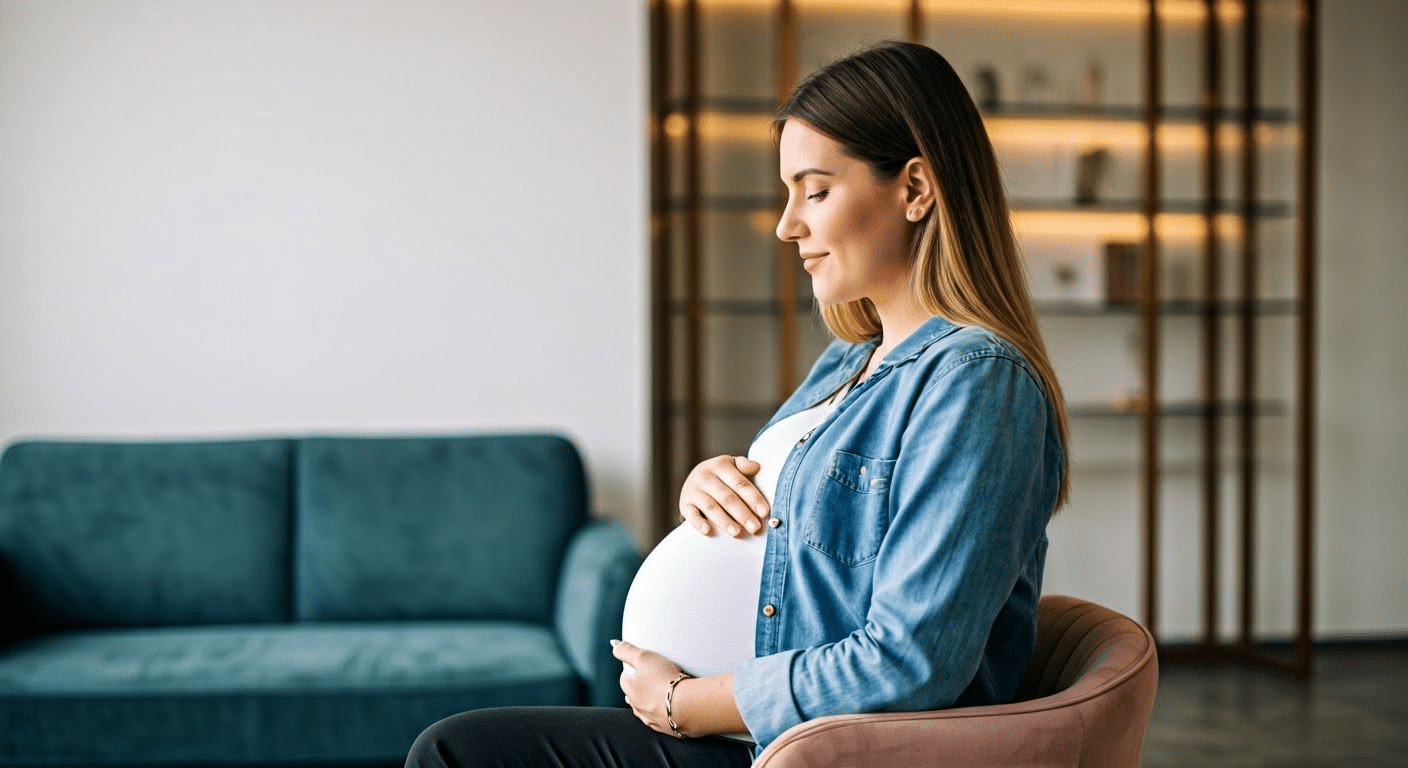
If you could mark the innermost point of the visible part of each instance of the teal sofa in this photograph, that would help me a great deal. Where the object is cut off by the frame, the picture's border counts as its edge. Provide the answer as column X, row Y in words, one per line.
column 313, row 601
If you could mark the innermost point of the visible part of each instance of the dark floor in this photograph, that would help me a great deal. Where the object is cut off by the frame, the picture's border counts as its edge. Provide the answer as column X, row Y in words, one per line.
column 1353, row 713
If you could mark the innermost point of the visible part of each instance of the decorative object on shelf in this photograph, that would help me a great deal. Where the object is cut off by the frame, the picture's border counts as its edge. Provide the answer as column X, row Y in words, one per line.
column 1036, row 85
column 1121, row 273
column 1092, row 84
column 1090, row 172
column 989, row 95
column 1065, row 271
column 1132, row 402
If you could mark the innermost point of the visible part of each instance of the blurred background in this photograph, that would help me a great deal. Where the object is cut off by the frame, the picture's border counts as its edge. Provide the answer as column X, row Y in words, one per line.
column 1175, row 134
column 354, row 216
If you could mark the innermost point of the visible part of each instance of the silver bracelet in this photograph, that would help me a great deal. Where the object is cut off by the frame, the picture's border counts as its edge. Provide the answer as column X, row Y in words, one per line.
column 669, row 704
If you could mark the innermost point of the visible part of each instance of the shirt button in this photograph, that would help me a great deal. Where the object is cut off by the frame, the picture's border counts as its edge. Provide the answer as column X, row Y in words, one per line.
column 768, row 610
column 774, row 522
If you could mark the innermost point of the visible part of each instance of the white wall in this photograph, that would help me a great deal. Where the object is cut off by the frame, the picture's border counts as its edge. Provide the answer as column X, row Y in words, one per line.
column 1363, row 428
column 352, row 216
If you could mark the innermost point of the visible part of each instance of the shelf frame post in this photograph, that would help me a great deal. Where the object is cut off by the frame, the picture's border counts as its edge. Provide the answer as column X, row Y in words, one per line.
column 693, row 245
column 662, row 468
column 1211, row 107
column 1247, row 442
column 914, row 21
column 1149, row 314
column 786, row 260
column 1306, row 280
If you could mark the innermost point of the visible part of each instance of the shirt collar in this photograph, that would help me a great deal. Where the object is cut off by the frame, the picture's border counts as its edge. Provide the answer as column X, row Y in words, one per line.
column 914, row 344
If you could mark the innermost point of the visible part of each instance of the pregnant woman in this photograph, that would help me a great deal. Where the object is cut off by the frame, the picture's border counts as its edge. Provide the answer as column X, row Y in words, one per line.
column 881, row 547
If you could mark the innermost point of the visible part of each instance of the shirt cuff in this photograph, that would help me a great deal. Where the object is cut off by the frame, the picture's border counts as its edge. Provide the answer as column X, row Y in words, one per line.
column 762, row 690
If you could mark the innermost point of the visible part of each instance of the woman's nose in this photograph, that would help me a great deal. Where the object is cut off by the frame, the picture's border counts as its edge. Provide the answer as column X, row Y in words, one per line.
column 789, row 227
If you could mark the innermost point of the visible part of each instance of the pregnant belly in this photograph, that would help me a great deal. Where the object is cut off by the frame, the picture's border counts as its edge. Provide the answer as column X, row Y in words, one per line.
column 695, row 600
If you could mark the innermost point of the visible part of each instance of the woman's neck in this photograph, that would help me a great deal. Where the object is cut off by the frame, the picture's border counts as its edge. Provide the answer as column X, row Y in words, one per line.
column 898, row 319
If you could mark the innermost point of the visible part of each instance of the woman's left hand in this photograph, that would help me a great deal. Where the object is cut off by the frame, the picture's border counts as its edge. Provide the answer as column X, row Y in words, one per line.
column 645, row 684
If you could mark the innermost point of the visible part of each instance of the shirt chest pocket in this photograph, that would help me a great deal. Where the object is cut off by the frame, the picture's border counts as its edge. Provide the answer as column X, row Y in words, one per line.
column 849, row 511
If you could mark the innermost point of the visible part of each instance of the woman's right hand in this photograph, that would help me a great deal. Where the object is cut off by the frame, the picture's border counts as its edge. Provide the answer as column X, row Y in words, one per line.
column 719, row 494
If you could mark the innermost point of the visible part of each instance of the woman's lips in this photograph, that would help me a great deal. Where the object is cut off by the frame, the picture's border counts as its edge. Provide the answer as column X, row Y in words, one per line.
column 808, row 259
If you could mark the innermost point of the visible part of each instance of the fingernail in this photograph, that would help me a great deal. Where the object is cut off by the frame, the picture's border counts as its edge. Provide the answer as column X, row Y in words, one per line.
column 615, row 643
column 752, row 525
column 733, row 530
column 704, row 528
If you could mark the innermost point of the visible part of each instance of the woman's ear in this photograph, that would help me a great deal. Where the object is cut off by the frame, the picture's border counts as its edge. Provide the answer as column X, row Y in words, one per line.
column 919, row 189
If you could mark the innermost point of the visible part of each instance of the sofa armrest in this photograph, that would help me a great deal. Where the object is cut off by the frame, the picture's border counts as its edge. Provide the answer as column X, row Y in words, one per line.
column 601, row 561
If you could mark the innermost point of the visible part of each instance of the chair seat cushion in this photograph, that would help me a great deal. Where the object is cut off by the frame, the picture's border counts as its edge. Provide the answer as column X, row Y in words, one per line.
column 264, row 693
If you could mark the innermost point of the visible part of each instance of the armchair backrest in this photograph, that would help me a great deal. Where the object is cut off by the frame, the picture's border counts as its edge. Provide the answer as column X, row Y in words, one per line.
column 1101, row 662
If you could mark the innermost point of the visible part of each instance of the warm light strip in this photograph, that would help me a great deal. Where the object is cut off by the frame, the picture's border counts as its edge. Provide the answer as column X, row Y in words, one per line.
column 721, row 126
column 1005, row 131
column 1101, row 225
column 763, row 222
column 1124, row 225
column 849, row 6
column 1122, row 134
column 1070, row 10
column 1129, row 226
column 1079, row 10
column 1011, row 132
column 888, row 6
column 1192, row 226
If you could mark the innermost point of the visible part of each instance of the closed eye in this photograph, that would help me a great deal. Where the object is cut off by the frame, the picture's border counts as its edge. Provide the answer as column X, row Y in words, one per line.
column 818, row 195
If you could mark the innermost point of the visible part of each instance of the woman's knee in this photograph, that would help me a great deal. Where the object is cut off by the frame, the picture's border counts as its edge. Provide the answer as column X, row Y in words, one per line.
column 443, row 744
column 425, row 751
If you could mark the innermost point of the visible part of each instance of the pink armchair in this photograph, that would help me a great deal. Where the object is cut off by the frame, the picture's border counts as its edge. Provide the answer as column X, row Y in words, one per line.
column 1085, row 701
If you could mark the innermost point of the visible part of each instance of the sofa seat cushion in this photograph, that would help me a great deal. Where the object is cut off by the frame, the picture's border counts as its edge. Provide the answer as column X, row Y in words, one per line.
column 264, row 693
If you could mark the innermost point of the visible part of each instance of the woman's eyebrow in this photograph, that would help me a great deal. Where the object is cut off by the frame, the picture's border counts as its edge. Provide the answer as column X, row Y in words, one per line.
column 809, row 171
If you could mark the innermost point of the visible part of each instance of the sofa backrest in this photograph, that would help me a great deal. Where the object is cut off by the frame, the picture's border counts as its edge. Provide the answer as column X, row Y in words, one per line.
column 433, row 527
column 96, row 534
column 136, row 534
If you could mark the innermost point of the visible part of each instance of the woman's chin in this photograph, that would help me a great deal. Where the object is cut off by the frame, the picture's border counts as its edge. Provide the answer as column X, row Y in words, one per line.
column 824, row 295
column 822, row 292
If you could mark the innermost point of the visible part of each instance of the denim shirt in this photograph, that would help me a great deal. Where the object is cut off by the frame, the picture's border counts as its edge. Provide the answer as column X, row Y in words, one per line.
column 905, row 570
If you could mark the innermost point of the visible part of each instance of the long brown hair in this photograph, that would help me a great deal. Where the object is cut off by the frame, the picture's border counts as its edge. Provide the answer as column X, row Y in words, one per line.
column 896, row 101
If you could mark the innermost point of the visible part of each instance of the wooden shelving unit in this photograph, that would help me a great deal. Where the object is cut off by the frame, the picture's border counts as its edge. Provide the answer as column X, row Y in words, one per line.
column 1206, row 112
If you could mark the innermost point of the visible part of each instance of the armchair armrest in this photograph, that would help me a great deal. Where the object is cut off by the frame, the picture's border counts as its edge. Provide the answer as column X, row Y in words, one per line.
column 1100, row 720
column 968, row 737
column 601, row 561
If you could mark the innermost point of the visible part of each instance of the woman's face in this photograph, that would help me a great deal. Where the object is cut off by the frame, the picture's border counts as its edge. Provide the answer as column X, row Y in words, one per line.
column 850, row 229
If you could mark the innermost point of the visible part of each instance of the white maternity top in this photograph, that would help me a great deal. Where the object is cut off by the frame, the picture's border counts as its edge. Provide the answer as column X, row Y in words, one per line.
column 695, row 598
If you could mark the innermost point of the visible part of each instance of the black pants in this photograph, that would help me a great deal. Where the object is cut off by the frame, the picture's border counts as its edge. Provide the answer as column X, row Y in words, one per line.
column 558, row 737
